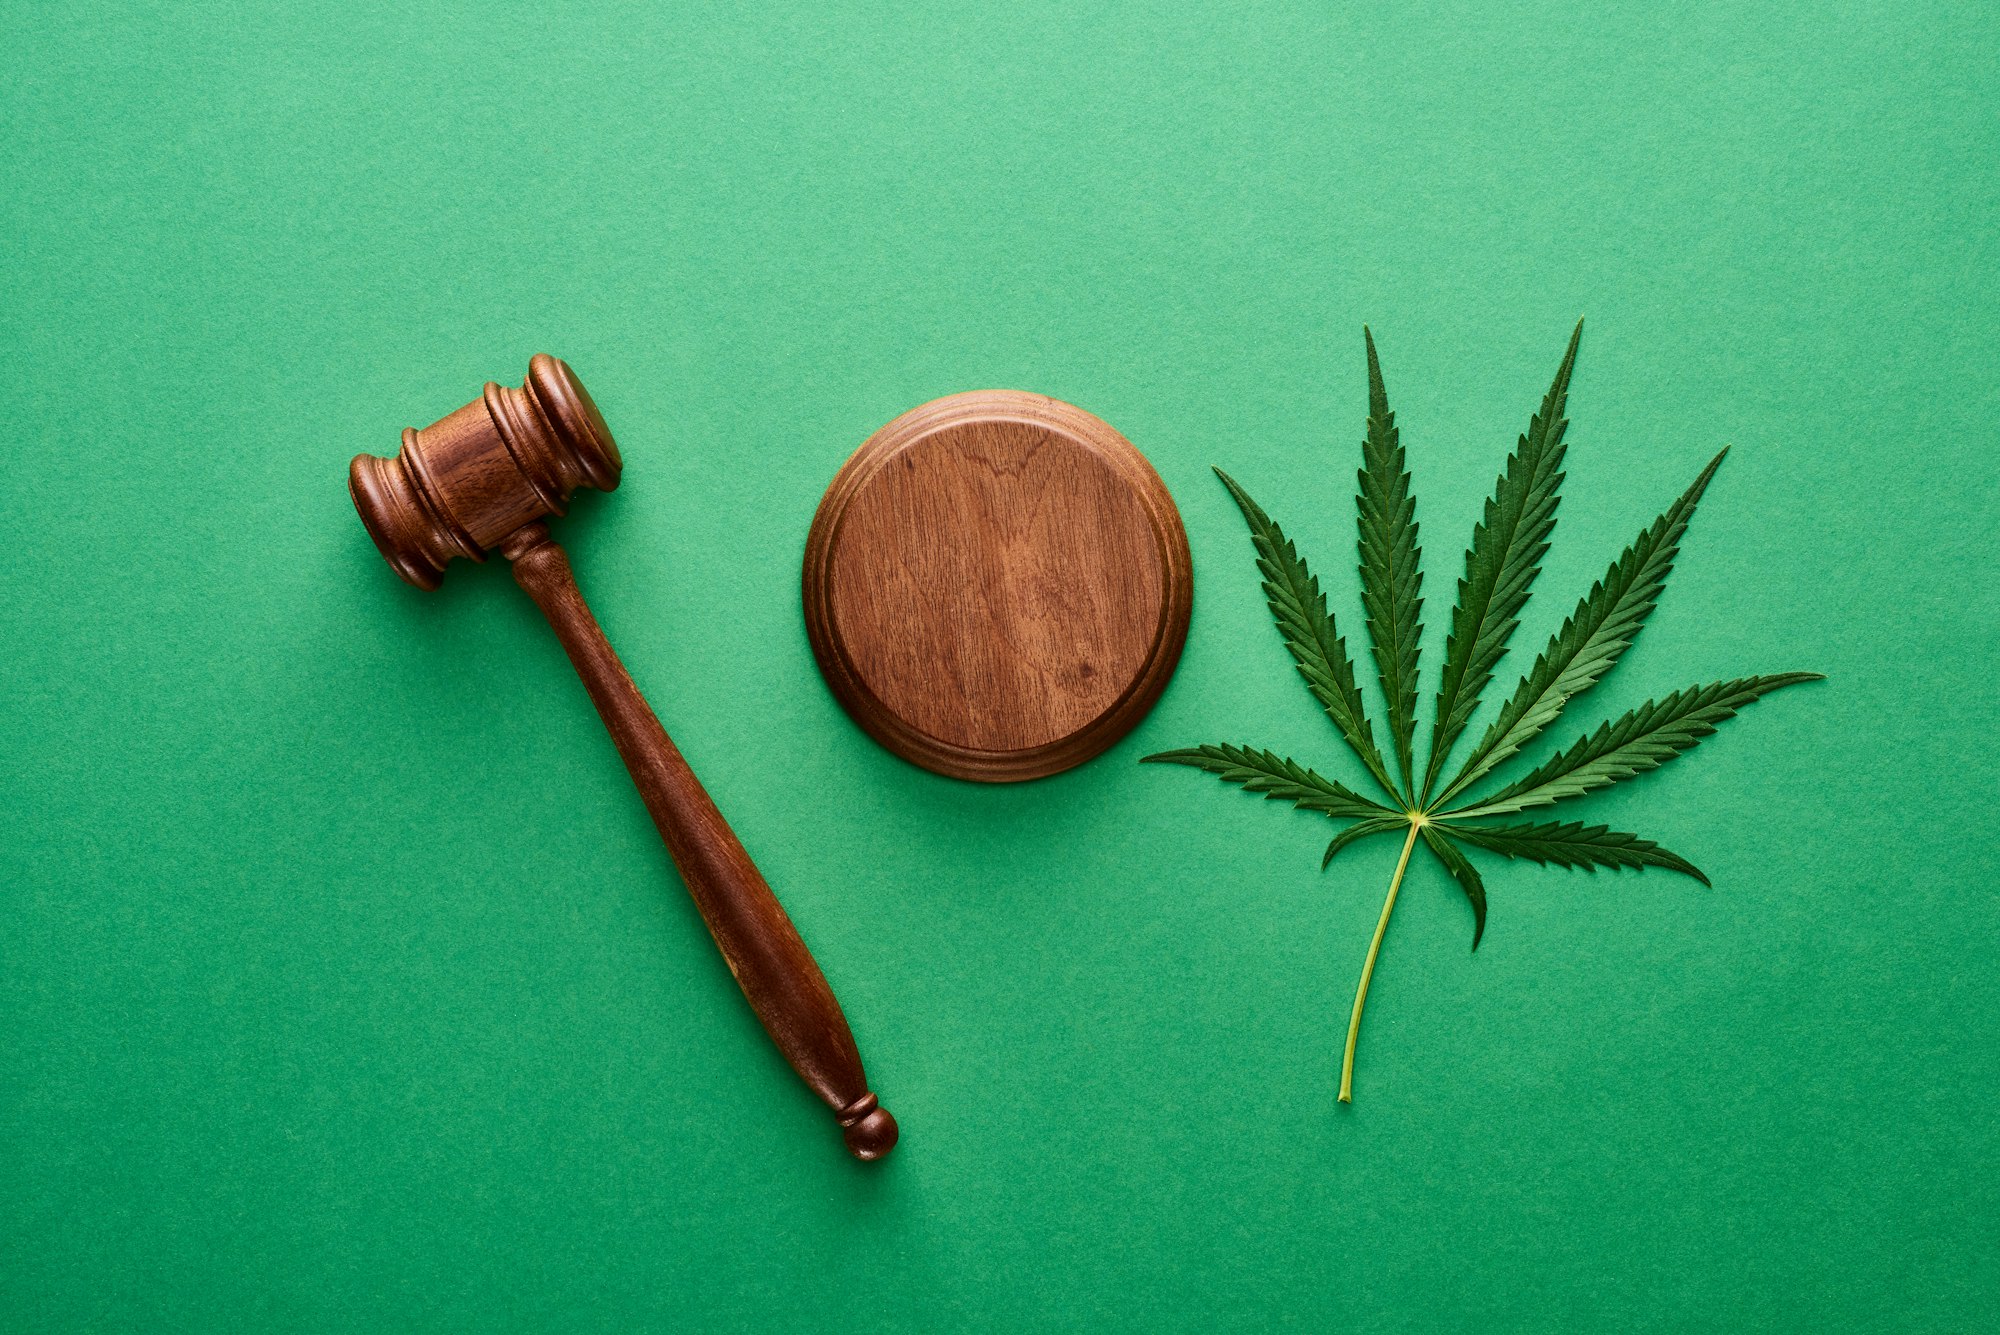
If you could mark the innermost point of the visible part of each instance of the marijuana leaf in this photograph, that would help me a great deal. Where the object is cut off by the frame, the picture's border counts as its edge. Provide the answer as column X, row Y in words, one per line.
column 1501, row 564
column 1572, row 845
column 1644, row 739
column 1500, row 568
column 1391, row 579
column 1604, row 624
column 1299, row 608
column 1279, row 780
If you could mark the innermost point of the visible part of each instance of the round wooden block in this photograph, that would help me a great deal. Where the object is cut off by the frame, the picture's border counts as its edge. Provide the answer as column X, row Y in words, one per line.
column 997, row 586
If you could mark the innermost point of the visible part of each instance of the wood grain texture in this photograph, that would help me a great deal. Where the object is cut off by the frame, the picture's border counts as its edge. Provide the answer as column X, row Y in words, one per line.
column 771, row 964
column 481, row 479
column 997, row 586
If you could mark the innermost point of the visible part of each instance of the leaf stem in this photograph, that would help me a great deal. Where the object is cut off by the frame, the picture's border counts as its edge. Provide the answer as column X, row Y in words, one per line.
column 1368, row 969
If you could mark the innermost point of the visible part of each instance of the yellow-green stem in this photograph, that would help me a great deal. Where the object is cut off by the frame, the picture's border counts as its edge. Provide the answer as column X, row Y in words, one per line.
column 1368, row 969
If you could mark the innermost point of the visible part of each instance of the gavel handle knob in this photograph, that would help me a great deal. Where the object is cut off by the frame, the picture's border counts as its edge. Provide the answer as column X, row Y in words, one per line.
column 772, row 965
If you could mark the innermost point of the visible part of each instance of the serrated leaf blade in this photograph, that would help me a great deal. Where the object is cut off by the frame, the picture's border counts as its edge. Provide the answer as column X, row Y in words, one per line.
column 1307, row 627
column 1277, row 778
column 1591, row 642
column 1391, row 574
column 1501, row 565
column 1641, row 740
column 1573, row 844
column 1361, row 830
column 1462, row 871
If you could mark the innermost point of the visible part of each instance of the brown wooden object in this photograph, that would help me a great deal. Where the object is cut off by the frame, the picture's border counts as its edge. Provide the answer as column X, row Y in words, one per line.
column 997, row 586
column 481, row 480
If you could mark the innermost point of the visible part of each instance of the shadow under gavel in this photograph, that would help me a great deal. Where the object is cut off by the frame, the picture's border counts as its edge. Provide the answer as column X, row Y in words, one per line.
column 483, row 479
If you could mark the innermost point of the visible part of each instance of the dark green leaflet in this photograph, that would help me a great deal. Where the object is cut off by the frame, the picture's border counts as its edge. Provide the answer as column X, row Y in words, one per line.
column 1464, row 873
column 1500, row 568
column 1278, row 779
column 1299, row 608
column 1572, row 845
column 1501, row 565
column 1395, row 823
column 1644, row 739
column 1593, row 639
column 1391, row 580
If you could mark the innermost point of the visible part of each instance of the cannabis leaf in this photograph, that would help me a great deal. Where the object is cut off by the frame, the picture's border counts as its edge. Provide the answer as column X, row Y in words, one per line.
column 1391, row 579
column 1506, row 552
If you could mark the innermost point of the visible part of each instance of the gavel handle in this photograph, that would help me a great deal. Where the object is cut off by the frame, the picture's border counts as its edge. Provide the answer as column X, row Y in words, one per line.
column 771, row 963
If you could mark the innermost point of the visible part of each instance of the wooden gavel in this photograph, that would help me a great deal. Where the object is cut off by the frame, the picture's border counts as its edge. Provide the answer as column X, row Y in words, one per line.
column 482, row 479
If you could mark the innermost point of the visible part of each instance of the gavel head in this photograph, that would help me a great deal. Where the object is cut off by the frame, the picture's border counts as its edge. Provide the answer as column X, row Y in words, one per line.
column 466, row 481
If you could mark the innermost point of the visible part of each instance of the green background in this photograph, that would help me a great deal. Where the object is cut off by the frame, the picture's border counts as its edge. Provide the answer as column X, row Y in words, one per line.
column 345, row 986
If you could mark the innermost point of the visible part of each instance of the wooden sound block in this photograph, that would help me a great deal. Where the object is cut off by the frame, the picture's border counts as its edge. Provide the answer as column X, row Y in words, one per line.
column 997, row 586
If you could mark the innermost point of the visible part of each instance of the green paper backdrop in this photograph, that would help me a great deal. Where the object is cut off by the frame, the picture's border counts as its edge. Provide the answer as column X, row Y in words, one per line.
column 344, row 985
